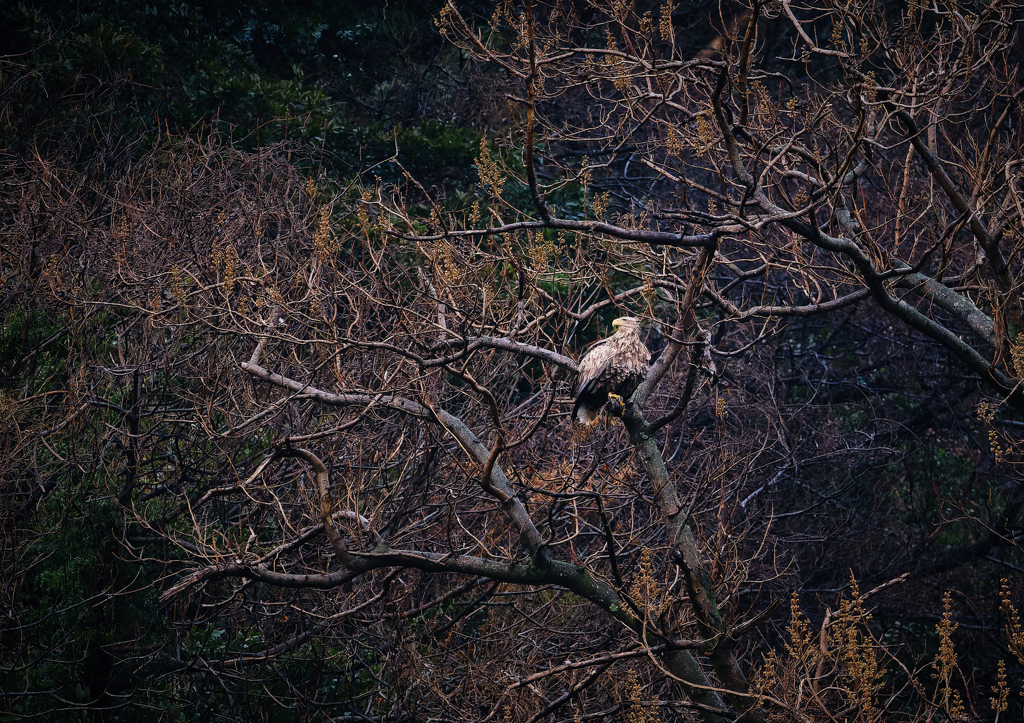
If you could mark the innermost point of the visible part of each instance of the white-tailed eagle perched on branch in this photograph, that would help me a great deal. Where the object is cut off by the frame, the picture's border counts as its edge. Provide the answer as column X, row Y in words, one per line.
column 615, row 367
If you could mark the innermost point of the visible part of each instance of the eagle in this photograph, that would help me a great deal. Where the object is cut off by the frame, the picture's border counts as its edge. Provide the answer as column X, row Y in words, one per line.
column 615, row 368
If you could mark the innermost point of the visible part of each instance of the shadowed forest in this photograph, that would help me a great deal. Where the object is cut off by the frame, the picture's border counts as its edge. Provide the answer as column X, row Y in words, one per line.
column 292, row 302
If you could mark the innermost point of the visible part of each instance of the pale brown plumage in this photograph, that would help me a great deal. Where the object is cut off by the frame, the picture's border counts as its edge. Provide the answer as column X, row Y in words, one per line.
column 615, row 366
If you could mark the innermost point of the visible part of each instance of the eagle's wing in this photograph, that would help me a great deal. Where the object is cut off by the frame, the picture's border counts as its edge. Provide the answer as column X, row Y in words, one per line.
column 592, row 367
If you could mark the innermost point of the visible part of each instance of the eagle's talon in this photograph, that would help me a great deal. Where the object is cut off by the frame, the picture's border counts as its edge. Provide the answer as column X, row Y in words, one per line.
column 616, row 405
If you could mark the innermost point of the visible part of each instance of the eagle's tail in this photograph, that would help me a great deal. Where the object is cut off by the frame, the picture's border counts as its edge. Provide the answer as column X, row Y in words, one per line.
column 585, row 415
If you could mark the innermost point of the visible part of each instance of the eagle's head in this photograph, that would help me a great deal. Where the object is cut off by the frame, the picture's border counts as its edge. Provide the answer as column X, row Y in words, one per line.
column 627, row 323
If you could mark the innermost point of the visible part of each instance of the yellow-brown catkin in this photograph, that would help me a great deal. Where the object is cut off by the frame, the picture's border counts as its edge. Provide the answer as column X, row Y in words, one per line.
column 1001, row 701
column 704, row 139
column 638, row 712
column 945, row 661
column 491, row 177
column 645, row 590
column 324, row 243
column 665, row 24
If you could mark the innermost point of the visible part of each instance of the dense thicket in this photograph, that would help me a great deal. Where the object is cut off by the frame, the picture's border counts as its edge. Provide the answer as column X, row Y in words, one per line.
column 288, row 351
